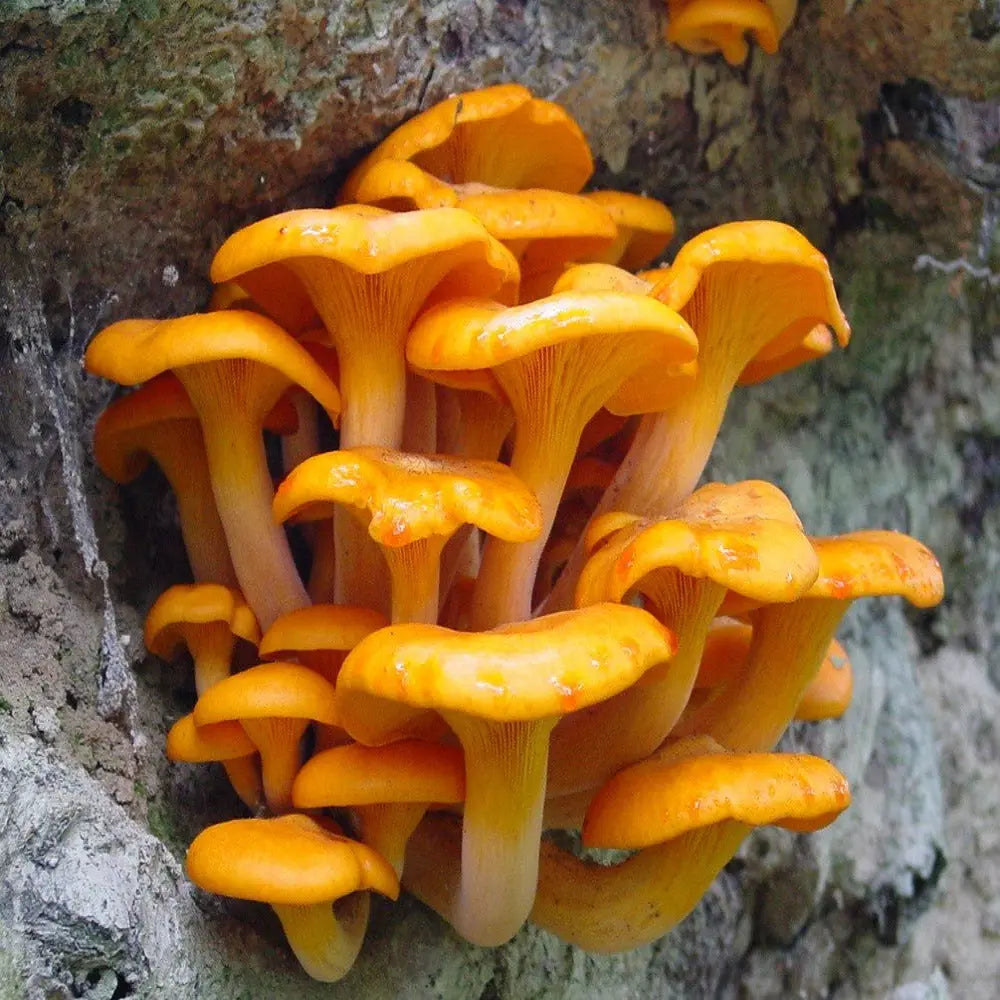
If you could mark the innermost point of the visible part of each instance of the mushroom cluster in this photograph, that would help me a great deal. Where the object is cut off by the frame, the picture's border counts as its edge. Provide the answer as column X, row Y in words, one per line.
column 518, row 612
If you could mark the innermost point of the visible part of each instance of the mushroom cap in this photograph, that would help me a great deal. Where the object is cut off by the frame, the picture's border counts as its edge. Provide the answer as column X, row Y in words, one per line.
column 703, row 26
column 829, row 693
column 200, row 744
column 877, row 564
column 319, row 627
column 695, row 783
column 598, row 277
column 535, row 669
column 411, row 497
column 269, row 691
column 290, row 860
column 135, row 350
column 401, row 186
column 497, row 135
column 744, row 536
column 356, row 775
column 160, row 400
column 807, row 280
column 369, row 241
column 556, row 226
column 549, row 227
column 188, row 605
column 478, row 333
column 726, row 646
column 647, row 224
column 817, row 343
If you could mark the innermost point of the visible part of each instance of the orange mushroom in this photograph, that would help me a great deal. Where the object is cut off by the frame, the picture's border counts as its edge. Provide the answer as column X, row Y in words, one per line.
column 274, row 702
column 704, row 26
column 745, row 287
column 368, row 273
column 542, row 228
column 693, row 805
column 645, row 227
column 226, row 743
column 389, row 788
column 205, row 618
column 500, row 136
column 208, row 620
column 790, row 641
column 727, row 644
column 501, row 692
column 319, row 636
column 828, row 695
column 414, row 503
column 234, row 365
column 559, row 360
column 157, row 421
column 743, row 538
column 315, row 880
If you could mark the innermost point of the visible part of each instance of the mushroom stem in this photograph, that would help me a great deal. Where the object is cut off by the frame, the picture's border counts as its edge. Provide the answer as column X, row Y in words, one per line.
column 325, row 937
column 661, row 468
column 243, row 492
column 788, row 647
column 415, row 570
column 322, row 574
column 277, row 741
column 359, row 569
column 507, row 573
column 387, row 826
column 201, row 529
column 589, row 746
column 244, row 776
column 211, row 649
column 608, row 909
column 373, row 388
column 669, row 452
column 303, row 442
column 505, row 766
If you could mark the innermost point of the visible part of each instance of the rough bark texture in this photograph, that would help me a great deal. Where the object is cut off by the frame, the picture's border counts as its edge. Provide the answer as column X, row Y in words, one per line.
column 136, row 134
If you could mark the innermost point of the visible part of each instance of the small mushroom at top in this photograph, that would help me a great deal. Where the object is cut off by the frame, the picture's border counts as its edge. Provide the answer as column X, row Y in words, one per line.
column 705, row 26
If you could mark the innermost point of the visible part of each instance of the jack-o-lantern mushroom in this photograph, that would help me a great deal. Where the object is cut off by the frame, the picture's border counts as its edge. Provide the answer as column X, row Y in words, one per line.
column 745, row 288
column 559, row 360
column 501, row 692
column 316, row 881
column 234, row 365
column 743, row 538
column 368, row 273
column 790, row 641
column 501, row 136
column 411, row 505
